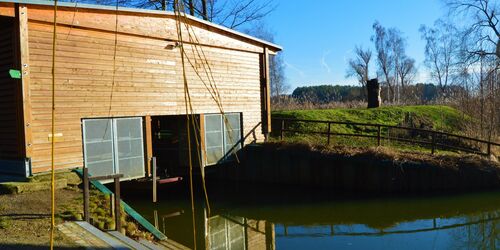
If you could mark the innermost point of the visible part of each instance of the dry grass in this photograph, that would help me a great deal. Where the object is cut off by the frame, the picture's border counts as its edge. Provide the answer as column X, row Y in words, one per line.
column 394, row 155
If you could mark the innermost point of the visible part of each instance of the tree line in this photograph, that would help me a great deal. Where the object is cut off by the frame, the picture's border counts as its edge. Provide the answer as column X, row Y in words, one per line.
column 420, row 93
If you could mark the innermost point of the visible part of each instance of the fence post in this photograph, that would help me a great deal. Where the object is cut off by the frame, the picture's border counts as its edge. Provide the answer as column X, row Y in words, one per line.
column 433, row 145
column 117, row 205
column 86, row 216
column 282, row 128
column 488, row 151
column 329, row 131
column 153, row 165
column 378, row 135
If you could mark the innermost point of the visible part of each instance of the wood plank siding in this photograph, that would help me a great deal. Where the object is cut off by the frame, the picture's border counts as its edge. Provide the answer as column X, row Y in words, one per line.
column 11, row 142
column 135, row 71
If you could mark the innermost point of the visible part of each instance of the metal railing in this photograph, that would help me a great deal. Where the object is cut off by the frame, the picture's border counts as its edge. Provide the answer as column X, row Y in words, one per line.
column 431, row 138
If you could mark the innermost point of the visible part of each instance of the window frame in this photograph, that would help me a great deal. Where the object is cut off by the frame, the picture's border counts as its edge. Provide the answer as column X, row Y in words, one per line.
column 225, row 153
column 114, row 144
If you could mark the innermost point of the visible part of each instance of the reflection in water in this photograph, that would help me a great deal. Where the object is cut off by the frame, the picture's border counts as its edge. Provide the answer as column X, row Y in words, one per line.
column 265, row 221
column 230, row 232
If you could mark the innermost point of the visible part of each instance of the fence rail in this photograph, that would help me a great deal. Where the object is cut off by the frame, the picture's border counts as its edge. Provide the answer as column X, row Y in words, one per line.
column 286, row 125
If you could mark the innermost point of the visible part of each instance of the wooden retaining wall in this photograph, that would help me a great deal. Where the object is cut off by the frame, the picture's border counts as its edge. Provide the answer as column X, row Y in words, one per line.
column 359, row 173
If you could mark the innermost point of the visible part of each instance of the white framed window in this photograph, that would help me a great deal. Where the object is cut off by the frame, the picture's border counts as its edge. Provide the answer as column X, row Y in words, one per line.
column 114, row 145
column 222, row 136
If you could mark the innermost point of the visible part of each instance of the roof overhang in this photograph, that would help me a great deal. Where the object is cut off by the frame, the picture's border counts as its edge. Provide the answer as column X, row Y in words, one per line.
column 272, row 46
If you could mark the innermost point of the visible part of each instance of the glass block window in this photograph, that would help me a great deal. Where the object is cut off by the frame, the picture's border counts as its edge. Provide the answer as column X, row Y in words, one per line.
column 222, row 136
column 113, row 146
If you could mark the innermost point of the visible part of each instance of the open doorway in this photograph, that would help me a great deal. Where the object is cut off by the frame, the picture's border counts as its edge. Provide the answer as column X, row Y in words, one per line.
column 215, row 139
column 170, row 145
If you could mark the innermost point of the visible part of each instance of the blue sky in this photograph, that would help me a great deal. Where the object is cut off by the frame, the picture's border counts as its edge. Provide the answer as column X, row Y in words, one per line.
column 319, row 36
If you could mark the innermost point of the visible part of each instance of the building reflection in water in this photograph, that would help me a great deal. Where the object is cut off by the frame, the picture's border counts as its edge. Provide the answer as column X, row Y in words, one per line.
column 230, row 232
column 222, row 232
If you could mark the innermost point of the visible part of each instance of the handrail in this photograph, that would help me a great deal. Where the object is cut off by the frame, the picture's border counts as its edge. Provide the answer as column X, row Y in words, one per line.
column 86, row 195
column 379, row 136
column 128, row 209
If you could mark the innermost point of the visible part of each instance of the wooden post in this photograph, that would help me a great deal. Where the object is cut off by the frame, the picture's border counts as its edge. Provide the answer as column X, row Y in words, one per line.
column 270, row 236
column 148, row 134
column 282, row 128
column 23, row 64
column 86, row 216
column 117, row 205
column 488, row 149
column 329, row 129
column 112, row 205
column 433, row 145
column 203, row 151
column 378, row 135
column 153, row 168
column 267, row 92
column 155, row 215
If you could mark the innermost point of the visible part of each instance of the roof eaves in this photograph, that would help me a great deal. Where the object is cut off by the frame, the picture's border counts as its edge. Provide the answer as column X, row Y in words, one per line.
column 143, row 11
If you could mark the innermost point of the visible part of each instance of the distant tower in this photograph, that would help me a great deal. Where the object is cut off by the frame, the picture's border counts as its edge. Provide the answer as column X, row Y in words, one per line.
column 373, row 89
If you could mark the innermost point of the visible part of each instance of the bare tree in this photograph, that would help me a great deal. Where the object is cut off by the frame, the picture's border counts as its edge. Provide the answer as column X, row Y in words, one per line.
column 230, row 13
column 441, row 51
column 398, row 49
column 384, row 56
column 359, row 66
column 482, row 32
column 480, row 53
column 406, row 72
column 393, row 63
column 235, row 13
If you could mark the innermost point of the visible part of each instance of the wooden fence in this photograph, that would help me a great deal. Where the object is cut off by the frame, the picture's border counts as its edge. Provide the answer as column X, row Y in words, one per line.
column 431, row 138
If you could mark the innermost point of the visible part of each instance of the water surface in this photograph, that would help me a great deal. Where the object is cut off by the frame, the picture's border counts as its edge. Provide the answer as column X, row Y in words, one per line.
column 290, row 219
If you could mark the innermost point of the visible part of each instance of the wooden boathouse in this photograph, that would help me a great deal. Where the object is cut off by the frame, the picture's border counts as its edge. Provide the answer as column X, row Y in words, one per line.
column 119, row 88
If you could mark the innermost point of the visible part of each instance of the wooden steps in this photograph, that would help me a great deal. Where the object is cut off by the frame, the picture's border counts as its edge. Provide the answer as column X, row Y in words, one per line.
column 89, row 236
column 107, row 238
column 128, row 241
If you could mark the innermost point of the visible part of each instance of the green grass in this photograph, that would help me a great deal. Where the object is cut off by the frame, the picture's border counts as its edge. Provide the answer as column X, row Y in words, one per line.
column 433, row 117
column 442, row 118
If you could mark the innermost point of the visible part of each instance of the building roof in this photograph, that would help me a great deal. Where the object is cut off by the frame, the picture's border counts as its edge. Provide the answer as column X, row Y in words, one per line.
column 146, row 11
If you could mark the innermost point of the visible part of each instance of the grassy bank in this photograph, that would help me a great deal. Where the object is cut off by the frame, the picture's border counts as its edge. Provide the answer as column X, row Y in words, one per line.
column 443, row 118
column 431, row 117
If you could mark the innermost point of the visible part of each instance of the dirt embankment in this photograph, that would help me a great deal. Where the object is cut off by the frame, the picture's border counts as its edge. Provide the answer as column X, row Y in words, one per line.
column 363, row 170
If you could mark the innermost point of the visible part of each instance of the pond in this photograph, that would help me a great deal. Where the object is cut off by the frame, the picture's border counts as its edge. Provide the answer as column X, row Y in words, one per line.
column 296, row 219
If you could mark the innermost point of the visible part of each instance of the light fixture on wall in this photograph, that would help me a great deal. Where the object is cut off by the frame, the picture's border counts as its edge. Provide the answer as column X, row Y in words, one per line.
column 173, row 46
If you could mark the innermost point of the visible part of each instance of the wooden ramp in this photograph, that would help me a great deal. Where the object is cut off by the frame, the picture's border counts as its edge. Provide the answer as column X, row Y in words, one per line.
column 88, row 236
